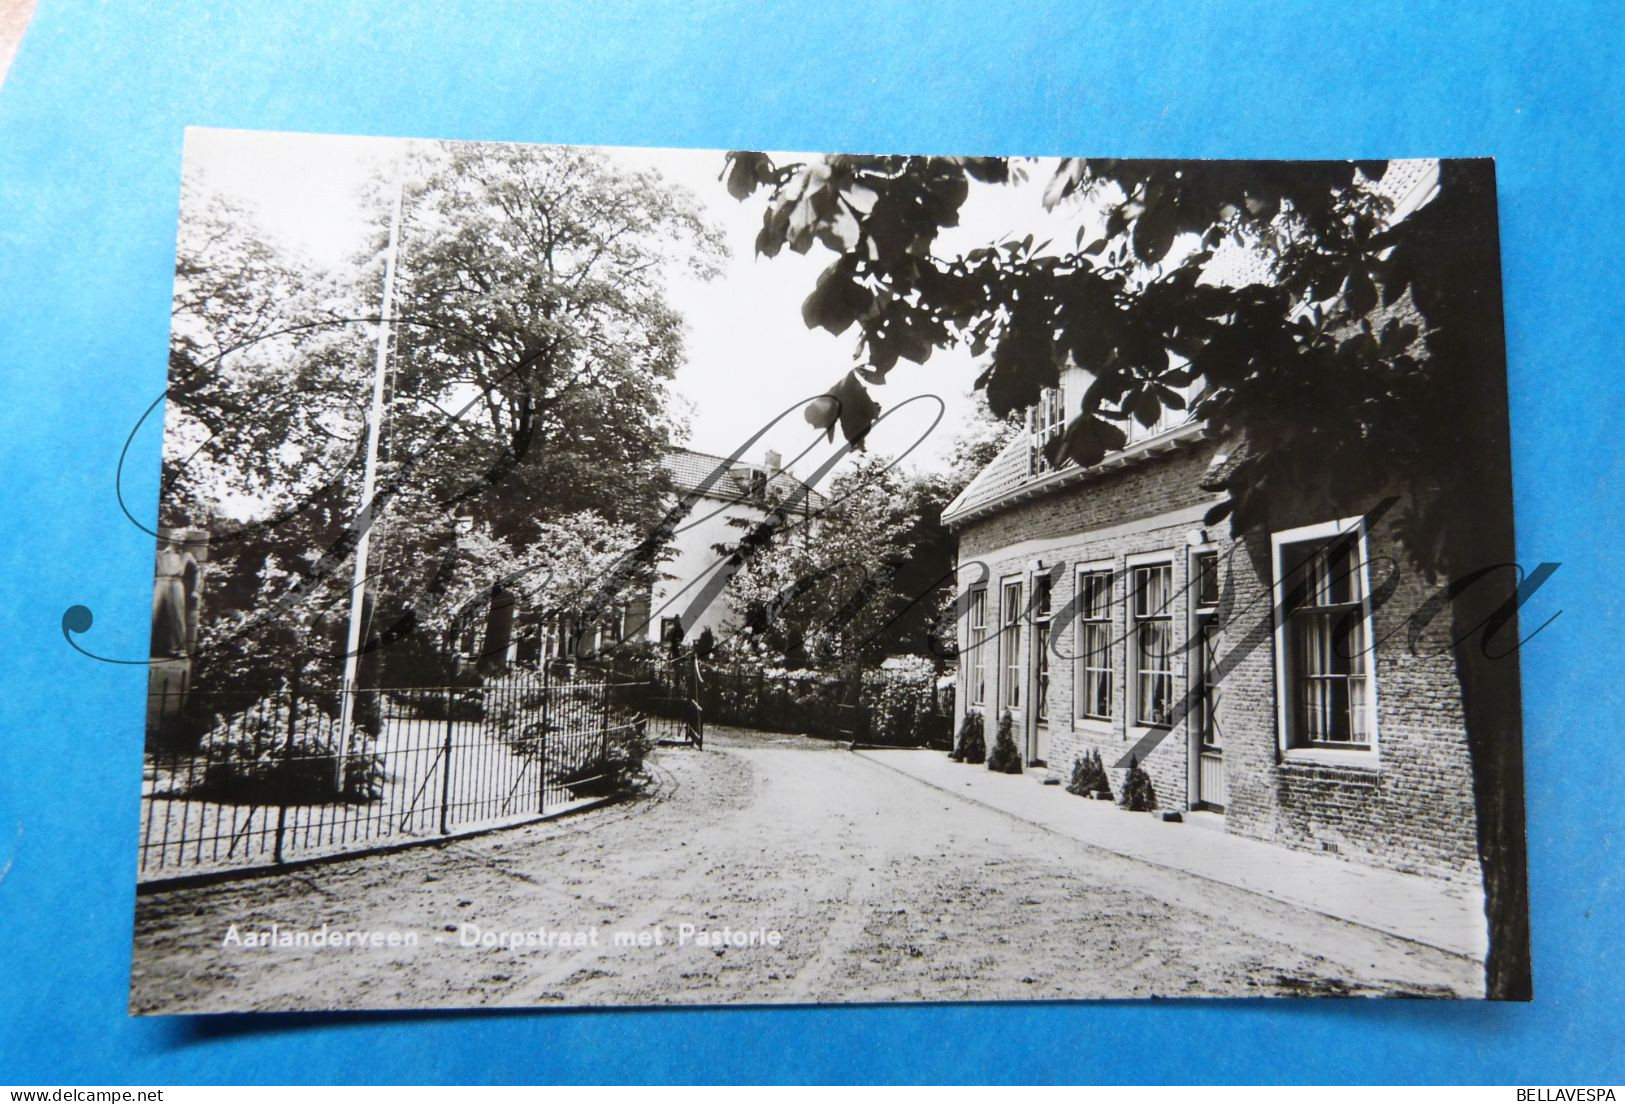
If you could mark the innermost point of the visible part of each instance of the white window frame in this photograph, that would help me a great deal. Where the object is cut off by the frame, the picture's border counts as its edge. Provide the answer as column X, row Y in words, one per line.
column 1046, row 419
column 1197, row 665
column 976, row 644
column 1367, row 757
column 1080, row 719
column 1043, row 673
column 1012, row 673
column 1131, row 639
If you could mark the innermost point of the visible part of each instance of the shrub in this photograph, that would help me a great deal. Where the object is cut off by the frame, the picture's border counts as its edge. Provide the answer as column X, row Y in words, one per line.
column 628, row 747
column 895, row 712
column 1138, row 796
column 611, row 767
column 1005, row 758
column 250, row 758
column 971, row 747
column 1089, row 776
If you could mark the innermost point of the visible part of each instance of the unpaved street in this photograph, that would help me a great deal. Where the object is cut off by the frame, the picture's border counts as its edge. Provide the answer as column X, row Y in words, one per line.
column 881, row 889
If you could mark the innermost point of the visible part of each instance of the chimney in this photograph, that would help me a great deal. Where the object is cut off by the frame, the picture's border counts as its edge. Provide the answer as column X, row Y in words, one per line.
column 775, row 462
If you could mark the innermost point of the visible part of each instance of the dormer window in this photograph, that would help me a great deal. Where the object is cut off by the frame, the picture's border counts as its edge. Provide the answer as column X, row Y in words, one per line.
column 1045, row 420
column 1170, row 417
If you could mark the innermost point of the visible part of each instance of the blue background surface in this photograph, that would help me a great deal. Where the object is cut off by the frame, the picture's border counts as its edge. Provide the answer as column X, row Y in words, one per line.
column 91, row 122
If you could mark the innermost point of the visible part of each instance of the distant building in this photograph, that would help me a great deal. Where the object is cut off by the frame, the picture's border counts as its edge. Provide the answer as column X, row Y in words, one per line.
column 692, row 591
column 689, row 589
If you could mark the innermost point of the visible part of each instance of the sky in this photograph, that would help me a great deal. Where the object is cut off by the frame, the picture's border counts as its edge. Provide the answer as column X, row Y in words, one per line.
column 749, row 356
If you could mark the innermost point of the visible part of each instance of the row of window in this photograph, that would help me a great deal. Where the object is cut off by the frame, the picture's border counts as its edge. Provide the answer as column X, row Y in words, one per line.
column 1322, row 635
column 521, row 638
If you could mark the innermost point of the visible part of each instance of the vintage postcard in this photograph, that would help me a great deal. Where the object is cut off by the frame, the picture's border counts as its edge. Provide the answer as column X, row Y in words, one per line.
column 594, row 576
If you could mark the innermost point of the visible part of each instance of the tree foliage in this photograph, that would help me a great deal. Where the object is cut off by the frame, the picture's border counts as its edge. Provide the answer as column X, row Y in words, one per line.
column 825, row 590
column 526, row 406
column 1343, row 312
column 266, row 374
column 532, row 295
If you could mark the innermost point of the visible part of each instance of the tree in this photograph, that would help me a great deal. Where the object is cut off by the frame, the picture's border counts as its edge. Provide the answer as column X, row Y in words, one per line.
column 254, row 371
column 266, row 383
column 527, row 398
column 532, row 294
column 532, row 297
column 1394, row 323
column 825, row 590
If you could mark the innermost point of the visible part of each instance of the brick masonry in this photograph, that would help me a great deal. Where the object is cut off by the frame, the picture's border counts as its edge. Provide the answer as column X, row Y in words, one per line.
column 1406, row 806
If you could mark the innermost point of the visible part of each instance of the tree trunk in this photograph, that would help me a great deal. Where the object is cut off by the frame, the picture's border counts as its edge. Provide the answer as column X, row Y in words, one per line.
column 1492, row 706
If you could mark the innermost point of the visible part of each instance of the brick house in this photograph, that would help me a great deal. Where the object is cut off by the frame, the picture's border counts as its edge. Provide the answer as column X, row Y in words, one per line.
column 1263, row 678
column 1103, row 614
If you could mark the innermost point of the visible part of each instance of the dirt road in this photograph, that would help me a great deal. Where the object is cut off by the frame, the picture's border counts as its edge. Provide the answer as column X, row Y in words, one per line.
column 878, row 889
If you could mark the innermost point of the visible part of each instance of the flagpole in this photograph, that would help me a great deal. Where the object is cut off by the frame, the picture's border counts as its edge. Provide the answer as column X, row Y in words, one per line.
column 369, row 479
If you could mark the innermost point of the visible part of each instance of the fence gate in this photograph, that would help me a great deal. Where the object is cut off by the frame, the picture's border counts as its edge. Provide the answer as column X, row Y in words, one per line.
column 668, row 697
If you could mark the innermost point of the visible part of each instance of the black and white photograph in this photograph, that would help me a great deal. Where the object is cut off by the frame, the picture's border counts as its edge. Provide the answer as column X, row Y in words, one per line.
column 602, row 576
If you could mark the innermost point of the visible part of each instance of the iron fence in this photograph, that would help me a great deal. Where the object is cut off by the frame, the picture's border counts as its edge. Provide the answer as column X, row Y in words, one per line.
column 237, row 780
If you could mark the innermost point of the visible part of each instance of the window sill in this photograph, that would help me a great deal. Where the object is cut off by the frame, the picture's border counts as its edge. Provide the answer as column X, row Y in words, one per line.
column 1137, row 732
column 1094, row 726
column 1331, row 757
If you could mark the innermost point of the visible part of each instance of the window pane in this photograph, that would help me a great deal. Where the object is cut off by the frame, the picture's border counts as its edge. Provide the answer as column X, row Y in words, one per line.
column 1343, row 571
column 1097, row 694
column 1012, row 604
column 1207, row 699
column 1353, row 643
column 1010, row 644
column 1097, row 590
column 1045, row 421
column 1207, row 579
column 1152, row 586
column 1041, row 656
column 1094, row 698
column 1156, row 690
column 978, row 646
column 1154, row 666
column 1326, row 642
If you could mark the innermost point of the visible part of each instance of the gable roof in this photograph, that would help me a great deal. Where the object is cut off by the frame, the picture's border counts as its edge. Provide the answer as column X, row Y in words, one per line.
column 1003, row 474
column 689, row 470
column 1006, row 480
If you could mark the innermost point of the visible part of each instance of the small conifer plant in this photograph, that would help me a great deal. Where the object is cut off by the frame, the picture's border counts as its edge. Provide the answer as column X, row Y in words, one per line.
column 1005, row 758
column 1138, row 796
column 1089, row 776
column 971, row 746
